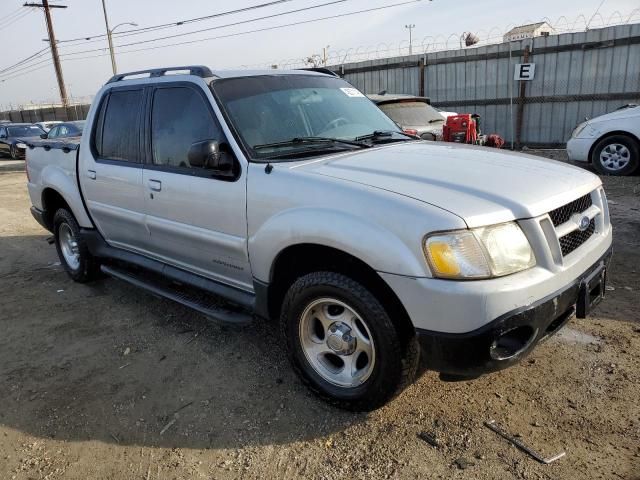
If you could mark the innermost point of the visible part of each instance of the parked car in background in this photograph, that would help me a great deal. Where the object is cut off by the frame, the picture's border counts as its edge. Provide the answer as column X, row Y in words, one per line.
column 47, row 125
column 413, row 114
column 611, row 142
column 13, row 138
column 446, row 114
column 65, row 130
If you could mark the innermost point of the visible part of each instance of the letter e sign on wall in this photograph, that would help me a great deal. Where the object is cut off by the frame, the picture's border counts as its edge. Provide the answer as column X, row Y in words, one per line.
column 524, row 71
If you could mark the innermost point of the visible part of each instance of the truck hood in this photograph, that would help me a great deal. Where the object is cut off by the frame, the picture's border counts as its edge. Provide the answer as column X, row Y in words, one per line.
column 481, row 185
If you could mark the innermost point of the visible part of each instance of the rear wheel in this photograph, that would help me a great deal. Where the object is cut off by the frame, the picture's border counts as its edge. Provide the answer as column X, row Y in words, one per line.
column 74, row 255
column 13, row 152
column 616, row 155
column 343, row 344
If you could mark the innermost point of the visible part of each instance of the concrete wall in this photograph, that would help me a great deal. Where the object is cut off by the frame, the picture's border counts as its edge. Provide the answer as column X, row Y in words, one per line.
column 74, row 112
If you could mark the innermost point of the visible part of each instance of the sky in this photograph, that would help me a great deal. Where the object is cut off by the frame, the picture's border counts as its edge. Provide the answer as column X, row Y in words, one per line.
column 22, row 34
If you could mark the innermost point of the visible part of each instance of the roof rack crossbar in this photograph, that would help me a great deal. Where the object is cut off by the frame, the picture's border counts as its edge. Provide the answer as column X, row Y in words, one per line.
column 197, row 70
column 326, row 71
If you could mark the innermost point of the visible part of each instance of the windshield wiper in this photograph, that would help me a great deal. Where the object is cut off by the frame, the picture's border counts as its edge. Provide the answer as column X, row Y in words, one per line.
column 381, row 134
column 311, row 141
column 436, row 120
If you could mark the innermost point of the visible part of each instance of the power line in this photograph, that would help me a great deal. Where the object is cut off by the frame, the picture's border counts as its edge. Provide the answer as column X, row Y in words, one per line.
column 247, row 32
column 242, row 22
column 289, row 12
column 25, row 73
column 265, row 29
column 15, row 19
column 266, row 17
column 33, row 56
column 12, row 15
column 19, row 9
column 25, row 67
column 144, row 30
column 138, row 31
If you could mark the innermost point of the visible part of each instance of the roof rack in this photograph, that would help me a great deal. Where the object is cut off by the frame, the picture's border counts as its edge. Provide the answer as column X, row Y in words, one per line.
column 197, row 70
column 326, row 71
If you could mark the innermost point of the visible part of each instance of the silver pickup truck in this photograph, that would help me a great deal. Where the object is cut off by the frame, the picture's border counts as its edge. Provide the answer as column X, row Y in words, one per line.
column 289, row 196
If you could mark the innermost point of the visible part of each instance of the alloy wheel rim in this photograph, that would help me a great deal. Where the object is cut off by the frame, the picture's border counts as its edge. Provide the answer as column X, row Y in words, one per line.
column 337, row 342
column 69, row 246
column 615, row 156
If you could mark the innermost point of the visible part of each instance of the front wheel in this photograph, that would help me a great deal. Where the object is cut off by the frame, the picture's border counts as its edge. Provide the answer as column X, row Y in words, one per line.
column 13, row 152
column 616, row 155
column 342, row 343
column 74, row 255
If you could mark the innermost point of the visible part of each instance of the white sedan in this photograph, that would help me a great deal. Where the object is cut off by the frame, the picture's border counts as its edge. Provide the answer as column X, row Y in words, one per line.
column 610, row 142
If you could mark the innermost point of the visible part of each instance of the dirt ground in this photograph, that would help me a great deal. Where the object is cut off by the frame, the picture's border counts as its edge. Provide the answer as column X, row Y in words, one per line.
column 108, row 382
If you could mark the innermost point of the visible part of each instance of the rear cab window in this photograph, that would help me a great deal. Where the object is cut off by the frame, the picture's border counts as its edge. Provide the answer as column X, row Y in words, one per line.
column 117, row 132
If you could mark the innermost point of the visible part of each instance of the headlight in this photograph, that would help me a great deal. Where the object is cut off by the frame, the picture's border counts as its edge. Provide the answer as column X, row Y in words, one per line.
column 21, row 145
column 578, row 130
column 483, row 252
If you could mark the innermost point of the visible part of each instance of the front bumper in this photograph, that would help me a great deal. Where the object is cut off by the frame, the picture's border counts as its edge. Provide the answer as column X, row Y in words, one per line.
column 474, row 353
column 578, row 149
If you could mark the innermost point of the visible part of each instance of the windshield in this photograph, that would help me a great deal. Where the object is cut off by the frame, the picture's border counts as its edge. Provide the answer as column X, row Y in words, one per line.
column 26, row 131
column 412, row 113
column 267, row 110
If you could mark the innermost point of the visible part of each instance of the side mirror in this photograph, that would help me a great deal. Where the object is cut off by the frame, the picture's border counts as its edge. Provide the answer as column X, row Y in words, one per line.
column 43, row 135
column 207, row 155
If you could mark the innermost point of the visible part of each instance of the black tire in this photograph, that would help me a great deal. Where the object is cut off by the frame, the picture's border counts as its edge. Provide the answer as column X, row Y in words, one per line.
column 632, row 148
column 396, row 361
column 13, row 152
column 88, row 268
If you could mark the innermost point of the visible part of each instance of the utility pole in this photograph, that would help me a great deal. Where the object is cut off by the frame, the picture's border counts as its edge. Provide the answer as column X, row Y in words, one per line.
column 110, row 36
column 410, row 27
column 106, row 22
column 54, row 47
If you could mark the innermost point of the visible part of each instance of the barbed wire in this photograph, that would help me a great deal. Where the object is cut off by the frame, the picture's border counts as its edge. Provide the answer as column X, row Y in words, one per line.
column 430, row 44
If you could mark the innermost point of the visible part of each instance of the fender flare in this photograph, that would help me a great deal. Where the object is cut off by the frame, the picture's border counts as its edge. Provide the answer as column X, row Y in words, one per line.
column 54, row 178
column 378, row 247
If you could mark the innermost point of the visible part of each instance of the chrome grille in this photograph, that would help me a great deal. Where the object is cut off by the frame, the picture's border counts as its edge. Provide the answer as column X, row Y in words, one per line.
column 570, row 242
column 563, row 214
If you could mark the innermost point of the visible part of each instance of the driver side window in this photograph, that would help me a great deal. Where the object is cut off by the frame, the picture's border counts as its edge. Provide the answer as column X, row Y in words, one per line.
column 3, row 132
column 53, row 133
column 180, row 117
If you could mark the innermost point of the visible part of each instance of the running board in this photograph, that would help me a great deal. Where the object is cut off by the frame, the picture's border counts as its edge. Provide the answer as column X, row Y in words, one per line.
column 191, row 297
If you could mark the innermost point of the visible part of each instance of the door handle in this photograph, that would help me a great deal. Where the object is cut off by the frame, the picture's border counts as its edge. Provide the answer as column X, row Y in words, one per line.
column 155, row 185
column 91, row 174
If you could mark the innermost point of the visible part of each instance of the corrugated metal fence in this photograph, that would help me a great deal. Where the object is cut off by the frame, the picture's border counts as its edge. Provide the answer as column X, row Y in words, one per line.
column 577, row 75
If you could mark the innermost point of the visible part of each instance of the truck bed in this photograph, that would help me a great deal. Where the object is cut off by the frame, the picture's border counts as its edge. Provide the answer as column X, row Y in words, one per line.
column 51, row 164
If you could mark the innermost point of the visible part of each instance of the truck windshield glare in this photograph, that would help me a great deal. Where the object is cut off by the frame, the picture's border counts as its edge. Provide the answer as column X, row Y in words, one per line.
column 268, row 110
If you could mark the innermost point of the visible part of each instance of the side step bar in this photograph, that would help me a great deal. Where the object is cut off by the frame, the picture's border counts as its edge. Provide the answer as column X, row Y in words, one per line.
column 194, row 298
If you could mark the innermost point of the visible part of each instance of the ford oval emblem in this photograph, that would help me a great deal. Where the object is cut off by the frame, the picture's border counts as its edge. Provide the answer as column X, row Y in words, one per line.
column 584, row 223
